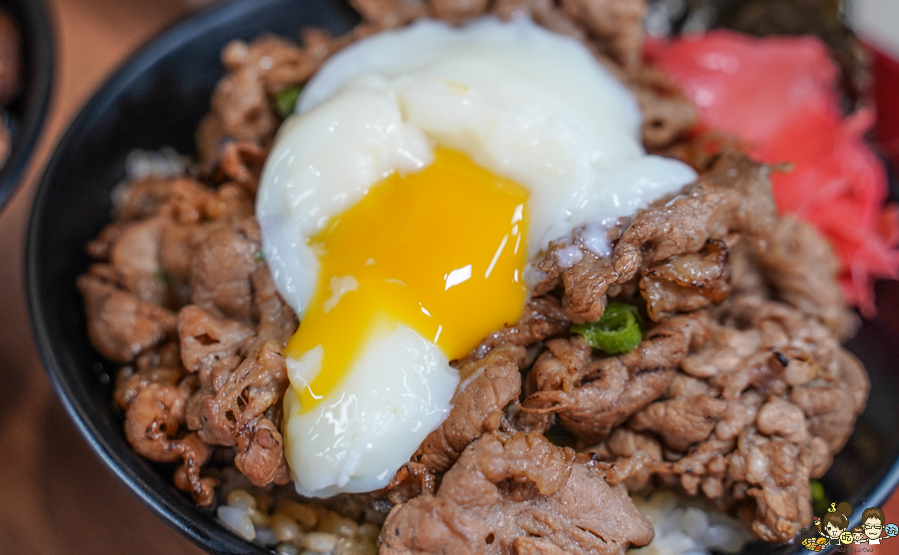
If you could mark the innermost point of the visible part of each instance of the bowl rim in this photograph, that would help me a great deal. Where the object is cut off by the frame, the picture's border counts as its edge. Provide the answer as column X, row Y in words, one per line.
column 180, row 517
column 40, row 53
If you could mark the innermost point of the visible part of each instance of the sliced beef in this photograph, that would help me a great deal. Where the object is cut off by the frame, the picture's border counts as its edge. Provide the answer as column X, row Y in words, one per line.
column 152, row 417
column 135, row 256
column 154, row 398
column 739, row 415
column 130, row 251
column 794, row 339
column 194, row 213
column 260, row 452
column 667, row 113
column 149, row 288
column 746, row 278
column 751, row 416
column 241, row 162
column 687, row 282
column 517, row 494
column 830, row 409
column 222, row 268
column 801, row 269
column 780, row 417
column 458, row 10
column 230, row 409
column 392, row 13
column 136, row 249
column 703, row 471
column 612, row 28
column 241, row 106
column 617, row 26
column 277, row 320
column 120, row 325
column 777, row 472
column 410, row 481
column 681, row 421
column 543, row 318
column 546, row 13
column 99, row 247
column 207, row 340
column 593, row 395
column 585, row 286
column 637, row 456
column 142, row 198
column 160, row 365
column 518, row 420
column 176, row 251
column 192, row 202
column 732, row 198
column 487, row 386
column 129, row 382
column 195, row 454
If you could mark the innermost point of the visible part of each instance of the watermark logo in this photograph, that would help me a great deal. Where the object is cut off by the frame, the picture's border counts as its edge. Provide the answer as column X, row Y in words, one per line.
column 833, row 529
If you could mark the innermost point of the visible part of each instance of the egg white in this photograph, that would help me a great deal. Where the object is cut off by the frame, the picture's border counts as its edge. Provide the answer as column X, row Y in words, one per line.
column 357, row 439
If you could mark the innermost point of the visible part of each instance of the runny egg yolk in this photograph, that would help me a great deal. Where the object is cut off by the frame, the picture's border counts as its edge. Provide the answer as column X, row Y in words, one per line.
column 441, row 251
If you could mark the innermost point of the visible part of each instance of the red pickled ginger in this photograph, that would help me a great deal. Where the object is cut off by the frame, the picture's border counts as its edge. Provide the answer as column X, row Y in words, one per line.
column 778, row 96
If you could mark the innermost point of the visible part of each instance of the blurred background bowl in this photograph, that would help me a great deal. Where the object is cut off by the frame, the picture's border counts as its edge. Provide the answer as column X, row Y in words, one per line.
column 156, row 99
column 27, row 113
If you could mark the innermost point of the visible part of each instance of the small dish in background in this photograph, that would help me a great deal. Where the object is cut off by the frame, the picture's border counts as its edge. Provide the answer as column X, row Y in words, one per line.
column 26, row 113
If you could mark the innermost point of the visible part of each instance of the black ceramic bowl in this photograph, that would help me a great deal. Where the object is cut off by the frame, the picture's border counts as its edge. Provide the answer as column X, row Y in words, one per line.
column 28, row 111
column 157, row 100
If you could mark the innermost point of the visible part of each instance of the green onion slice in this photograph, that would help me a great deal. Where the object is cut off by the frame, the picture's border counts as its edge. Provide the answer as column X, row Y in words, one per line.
column 619, row 330
column 286, row 99
column 820, row 502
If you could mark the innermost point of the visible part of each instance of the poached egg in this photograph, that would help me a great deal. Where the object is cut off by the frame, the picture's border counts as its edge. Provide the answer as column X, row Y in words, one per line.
column 423, row 167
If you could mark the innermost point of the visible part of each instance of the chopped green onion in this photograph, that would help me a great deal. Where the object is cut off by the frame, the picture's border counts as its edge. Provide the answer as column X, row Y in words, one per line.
column 617, row 331
column 286, row 99
column 820, row 502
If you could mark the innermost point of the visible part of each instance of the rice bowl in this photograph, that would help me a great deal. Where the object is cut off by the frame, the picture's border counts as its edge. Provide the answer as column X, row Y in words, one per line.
column 162, row 488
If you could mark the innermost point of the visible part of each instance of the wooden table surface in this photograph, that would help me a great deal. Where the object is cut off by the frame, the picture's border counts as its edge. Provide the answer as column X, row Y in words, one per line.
column 55, row 495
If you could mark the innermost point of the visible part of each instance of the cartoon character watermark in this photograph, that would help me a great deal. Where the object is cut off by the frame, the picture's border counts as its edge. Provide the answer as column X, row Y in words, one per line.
column 835, row 522
column 858, row 535
column 875, row 527
column 833, row 529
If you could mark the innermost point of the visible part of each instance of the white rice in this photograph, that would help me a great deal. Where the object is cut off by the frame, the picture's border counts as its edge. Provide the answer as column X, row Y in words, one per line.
column 688, row 526
column 274, row 518
column 162, row 163
column 140, row 164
